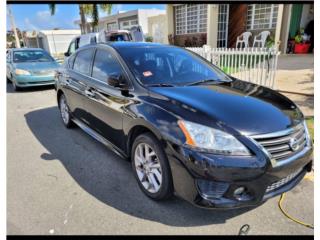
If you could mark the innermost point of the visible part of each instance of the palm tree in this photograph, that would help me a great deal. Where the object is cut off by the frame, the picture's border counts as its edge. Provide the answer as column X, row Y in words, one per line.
column 90, row 10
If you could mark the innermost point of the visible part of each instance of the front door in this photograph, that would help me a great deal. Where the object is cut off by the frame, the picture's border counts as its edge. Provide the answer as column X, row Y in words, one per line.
column 104, row 103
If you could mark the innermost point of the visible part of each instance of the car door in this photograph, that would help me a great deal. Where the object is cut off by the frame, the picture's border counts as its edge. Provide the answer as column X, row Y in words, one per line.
column 74, row 81
column 105, row 103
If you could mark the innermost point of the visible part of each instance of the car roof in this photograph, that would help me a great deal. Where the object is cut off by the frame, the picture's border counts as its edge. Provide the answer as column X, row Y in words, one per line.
column 128, row 44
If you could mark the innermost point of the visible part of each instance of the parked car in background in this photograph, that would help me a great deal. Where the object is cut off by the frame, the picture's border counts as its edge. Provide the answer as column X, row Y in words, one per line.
column 135, row 34
column 28, row 67
column 187, row 127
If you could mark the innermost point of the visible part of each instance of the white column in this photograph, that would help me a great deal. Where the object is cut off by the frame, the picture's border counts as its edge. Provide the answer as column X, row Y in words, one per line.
column 277, row 39
column 212, row 25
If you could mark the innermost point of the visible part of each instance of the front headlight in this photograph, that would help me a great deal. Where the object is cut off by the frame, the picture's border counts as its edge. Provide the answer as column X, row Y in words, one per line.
column 22, row 72
column 212, row 140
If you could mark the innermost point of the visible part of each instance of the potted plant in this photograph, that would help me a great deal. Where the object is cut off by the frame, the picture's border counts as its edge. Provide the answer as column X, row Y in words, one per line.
column 302, row 43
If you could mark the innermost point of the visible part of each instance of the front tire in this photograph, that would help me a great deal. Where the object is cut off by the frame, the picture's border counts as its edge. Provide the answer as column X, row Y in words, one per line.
column 151, row 167
column 15, row 87
column 65, row 112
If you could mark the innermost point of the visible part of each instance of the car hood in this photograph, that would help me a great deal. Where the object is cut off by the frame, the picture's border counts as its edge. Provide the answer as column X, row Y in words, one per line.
column 241, row 106
column 37, row 66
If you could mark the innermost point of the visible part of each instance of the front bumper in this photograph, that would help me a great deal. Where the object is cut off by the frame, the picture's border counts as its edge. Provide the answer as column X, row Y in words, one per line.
column 255, row 174
column 30, row 80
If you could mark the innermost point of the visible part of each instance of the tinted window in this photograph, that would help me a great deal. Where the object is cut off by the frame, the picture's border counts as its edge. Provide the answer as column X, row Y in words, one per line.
column 83, row 61
column 105, row 65
column 31, row 56
column 169, row 65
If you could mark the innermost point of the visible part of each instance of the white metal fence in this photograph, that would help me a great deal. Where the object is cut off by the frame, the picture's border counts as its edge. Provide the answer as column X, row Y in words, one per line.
column 257, row 65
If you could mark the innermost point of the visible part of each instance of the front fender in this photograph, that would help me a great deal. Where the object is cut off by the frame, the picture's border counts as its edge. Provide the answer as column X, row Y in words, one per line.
column 159, row 121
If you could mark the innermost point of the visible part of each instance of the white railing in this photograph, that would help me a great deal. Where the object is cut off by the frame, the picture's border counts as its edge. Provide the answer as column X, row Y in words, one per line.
column 257, row 65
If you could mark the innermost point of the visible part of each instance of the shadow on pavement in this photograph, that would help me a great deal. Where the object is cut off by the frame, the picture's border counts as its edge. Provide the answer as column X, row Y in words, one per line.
column 109, row 178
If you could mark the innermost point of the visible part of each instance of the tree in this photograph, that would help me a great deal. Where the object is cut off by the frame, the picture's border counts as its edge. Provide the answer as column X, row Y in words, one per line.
column 87, row 10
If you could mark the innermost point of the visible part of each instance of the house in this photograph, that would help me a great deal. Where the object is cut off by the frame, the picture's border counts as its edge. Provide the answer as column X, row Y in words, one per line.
column 125, row 20
column 218, row 25
column 54, row 42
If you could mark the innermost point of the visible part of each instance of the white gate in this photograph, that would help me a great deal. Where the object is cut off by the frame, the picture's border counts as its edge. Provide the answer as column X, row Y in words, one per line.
column 257, row 65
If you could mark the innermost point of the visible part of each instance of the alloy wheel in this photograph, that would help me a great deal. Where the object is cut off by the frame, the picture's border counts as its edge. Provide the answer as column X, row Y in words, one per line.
column 64, row 110
column 148, row 167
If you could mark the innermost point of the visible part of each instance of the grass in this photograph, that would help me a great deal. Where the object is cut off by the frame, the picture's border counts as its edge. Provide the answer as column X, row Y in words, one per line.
column 310, row 125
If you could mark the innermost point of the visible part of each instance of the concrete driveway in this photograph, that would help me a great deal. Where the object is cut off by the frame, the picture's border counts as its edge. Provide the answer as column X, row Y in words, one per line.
column 295, row 74
column 62, row 181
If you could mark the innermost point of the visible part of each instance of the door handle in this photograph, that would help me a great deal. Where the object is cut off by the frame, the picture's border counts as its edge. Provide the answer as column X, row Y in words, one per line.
column 89, row 92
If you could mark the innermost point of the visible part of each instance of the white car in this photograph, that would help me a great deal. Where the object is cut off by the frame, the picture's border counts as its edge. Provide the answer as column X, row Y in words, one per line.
column 135, row 34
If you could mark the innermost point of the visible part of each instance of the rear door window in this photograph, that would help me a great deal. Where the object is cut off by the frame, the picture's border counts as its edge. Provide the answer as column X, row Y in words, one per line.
column 82, row 63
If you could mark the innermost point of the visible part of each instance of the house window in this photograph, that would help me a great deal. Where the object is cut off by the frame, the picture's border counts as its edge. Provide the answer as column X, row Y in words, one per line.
column 112, row 26
column 262, row 16
column 134, row 22
column 191, row 18
column 223, row 19
column 128, row 24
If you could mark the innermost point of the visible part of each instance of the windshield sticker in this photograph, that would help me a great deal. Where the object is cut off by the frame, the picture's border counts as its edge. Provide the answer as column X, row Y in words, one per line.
column 147, row 74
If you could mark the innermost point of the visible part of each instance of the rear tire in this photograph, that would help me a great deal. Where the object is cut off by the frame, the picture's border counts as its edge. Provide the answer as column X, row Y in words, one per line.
column 153, row 173
column 65, row 112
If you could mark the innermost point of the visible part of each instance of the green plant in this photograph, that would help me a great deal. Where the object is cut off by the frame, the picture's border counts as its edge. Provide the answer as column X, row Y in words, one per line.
column 298, row 38
column 270, row 41
column 149, row 39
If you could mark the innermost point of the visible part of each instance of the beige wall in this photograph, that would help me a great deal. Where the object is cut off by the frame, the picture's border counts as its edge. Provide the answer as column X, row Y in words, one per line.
column 158, row 28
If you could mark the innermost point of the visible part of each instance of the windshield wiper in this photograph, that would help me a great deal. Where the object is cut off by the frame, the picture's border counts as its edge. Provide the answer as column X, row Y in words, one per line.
column 203, row 81
column 160, row 85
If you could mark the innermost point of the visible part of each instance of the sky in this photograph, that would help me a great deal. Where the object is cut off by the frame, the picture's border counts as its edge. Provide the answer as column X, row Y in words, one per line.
column 38, row 17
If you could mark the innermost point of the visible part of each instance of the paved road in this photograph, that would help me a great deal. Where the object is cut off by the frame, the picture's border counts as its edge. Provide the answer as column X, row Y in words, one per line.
column 63, row 182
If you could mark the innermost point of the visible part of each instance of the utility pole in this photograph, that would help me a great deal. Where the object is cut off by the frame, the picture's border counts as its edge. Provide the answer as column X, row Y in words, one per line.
column 14, row 27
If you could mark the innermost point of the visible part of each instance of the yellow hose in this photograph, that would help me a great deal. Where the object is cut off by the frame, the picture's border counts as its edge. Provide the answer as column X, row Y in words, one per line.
column 290, row 217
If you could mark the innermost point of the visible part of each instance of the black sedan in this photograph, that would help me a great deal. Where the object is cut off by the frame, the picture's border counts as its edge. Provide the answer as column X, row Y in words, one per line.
column 187, row 127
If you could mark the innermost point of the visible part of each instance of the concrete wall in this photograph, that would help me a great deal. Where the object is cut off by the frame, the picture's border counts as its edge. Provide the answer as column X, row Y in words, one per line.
column 158, row 28
column 170, row 19
column 53, row 41
column 144, row 14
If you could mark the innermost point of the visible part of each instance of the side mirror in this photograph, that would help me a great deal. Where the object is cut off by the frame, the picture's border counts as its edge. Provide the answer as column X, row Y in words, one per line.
column 66, row 54
column 116, row 81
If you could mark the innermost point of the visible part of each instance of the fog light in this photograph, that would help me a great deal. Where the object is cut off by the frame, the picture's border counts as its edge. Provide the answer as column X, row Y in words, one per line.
column 239, row 191
column 211, row 189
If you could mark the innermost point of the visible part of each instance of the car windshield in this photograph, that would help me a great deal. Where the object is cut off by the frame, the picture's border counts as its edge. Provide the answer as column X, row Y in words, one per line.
column 169, row 66
column 31, row 56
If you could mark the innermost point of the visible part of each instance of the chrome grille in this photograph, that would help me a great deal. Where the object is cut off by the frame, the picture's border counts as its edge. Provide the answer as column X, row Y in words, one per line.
column 280, row 146
column 283, row 181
